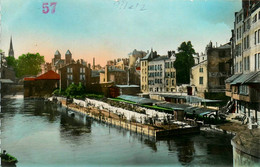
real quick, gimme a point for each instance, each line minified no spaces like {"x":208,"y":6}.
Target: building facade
{"x":113,"y":75}
{"x":199,"y":78}
{"x":41,"y":86}
{"x":158,"y":73}
{"x":144,"y":70}
{"x":209,"y":75}
{"x":243,"y":86}
{"x":74,"y":73}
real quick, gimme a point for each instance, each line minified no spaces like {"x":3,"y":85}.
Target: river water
{"x":44,"y":135}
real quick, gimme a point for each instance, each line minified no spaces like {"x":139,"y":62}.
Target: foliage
{"x":96,"y":96}
{"x":74,"y":90}
{"x":11,"y":62}
{"x":183,"y":63}
{"x":29,"y":64}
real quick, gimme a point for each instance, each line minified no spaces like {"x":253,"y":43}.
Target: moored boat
{"x":7,"y":159}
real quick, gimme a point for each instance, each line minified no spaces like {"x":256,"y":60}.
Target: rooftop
{"x":137,"y":99}
{"x":50,"y":75}
{"x":161,"y":58}
{"x":246,"y":78}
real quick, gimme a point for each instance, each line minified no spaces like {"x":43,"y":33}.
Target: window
{"x":201,"y":69}
{"x":258,"y":35}
{"x":69,"y":77}
{"x":248,"y":63}
{"x":247,"y":41}
{"x":69,"y":70}
{"x":240,"y":66}
{"x":221,"y":67}
{"x":255,"y":62}
{"x":201,"y":80}
{"x":240,"y":32}
{"x":243,"y":89}
{"x":255,"y":18}
{"x":237,"y":33}
{"x":166,"y":81}
{"x":82,"y":70}
{"x":173,"y":82}
{"x":255,"y":36}
{"x":245,"y":63}
{"x":82,"y":77}
{"x":258,"y":60}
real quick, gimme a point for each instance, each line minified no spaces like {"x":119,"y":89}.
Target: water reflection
{"x":185,"y":149}
{"x":52,"y":128}
{"x":75,"y":126}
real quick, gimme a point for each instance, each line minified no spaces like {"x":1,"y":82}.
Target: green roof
{"x":244,"y":78}
{"x":232,"y":78}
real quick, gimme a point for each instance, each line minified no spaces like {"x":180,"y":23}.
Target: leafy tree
{"x":74,"y":90}
{"x":183,"y":63}
{"x":11,"y":62}
{"x":29,"y":64}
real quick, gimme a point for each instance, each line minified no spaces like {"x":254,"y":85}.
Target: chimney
{"x":106,"y":74}
{"x":93,"y":63}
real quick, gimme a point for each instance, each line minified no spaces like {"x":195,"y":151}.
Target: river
{"x":44,"y":135}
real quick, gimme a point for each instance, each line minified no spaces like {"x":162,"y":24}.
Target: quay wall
{"x":246,"y":148}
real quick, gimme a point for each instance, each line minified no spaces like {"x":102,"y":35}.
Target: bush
{"x":75,"y":90}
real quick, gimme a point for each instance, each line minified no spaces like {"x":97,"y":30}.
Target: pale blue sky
{"x":106,"y":30}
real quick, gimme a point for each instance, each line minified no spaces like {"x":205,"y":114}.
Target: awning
{"x":174,"y":106}
{"x":254,"y":80}
{"x":174,"y":96}
{"x":232,"y":78}
{"x":137,"y":99}
{"x":244,"y":78}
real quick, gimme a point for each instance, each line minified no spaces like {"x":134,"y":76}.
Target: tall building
{"x":209,"y":75}
{"x":111,"y":74}
{"x":243,"y":86}
{"x":74,"y":73}
{"x":158,"y":73}
{"x":11,"y":50}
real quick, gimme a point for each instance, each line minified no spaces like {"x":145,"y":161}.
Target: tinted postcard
{"x":130,"y":83}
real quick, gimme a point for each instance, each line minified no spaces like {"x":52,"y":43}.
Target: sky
{"x":109,"y":29}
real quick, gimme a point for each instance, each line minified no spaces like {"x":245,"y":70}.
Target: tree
{"x":74,"y":90}
{"x":183,"y":63}
{"x":29,"y":64}
{"x":11,"y":62}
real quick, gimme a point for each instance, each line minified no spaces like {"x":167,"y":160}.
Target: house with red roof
{"x":41,"y":86}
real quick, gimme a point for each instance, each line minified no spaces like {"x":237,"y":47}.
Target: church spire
{"x":11,"y":50}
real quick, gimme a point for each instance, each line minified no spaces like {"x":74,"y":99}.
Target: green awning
{"x":244,"y":78}
{"x":232,"y":78}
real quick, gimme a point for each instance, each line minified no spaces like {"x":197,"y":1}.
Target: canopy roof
{"x":245,"y":78}
{"x":137,"y":99}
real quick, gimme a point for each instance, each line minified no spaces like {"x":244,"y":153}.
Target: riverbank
{"x":133,"y":123}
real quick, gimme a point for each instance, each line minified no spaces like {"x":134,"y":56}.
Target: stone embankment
{"x":130,"y":120}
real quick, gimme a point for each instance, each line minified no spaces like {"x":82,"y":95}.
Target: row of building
{"x":243,"y":87}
